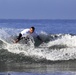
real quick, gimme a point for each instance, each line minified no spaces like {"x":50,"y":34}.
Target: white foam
{"x":67,"y":40}
{"x":54,"y":54}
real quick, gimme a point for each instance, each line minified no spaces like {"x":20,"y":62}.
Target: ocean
{"x":56,"y":56}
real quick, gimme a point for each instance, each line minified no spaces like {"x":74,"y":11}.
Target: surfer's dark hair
{"x":33,"y":28}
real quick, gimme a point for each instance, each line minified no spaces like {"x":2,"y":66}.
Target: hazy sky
{"x":37,"y":9}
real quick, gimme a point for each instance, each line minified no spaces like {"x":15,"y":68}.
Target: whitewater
{"x":55,"y":56}
{"x":56,"y":47}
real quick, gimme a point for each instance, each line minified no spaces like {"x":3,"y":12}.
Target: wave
{"x":55,"y":47}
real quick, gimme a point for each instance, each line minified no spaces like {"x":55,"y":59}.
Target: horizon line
{"x":37,"y":19}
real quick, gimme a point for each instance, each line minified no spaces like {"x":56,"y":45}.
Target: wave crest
{"x":55,"y":47}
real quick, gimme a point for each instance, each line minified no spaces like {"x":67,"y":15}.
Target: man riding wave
{"x":26,"y":32}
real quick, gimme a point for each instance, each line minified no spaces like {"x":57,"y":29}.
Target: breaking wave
{"x":56,"y":47}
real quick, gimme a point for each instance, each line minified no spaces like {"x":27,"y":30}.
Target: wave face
{"x":56,"y":47}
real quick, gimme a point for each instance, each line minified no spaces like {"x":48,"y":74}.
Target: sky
{"x":37,"y":9}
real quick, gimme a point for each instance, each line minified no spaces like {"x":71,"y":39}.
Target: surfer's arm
{"x":19,"y":38}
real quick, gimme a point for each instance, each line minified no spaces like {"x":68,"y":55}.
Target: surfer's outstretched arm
{"x":19,"y":38}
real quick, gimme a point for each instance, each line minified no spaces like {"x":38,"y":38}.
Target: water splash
{"x":55,"y":47}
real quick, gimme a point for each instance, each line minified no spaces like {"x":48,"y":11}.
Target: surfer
{"x":26,"y":32}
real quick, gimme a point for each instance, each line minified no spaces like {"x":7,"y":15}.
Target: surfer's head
{"x":32,"y":29}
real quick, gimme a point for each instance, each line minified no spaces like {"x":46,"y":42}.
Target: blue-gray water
{"x":56,"y":56}
{"x":50,"y":26}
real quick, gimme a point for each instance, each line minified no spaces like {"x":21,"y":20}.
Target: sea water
{"x":56,"y":56}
